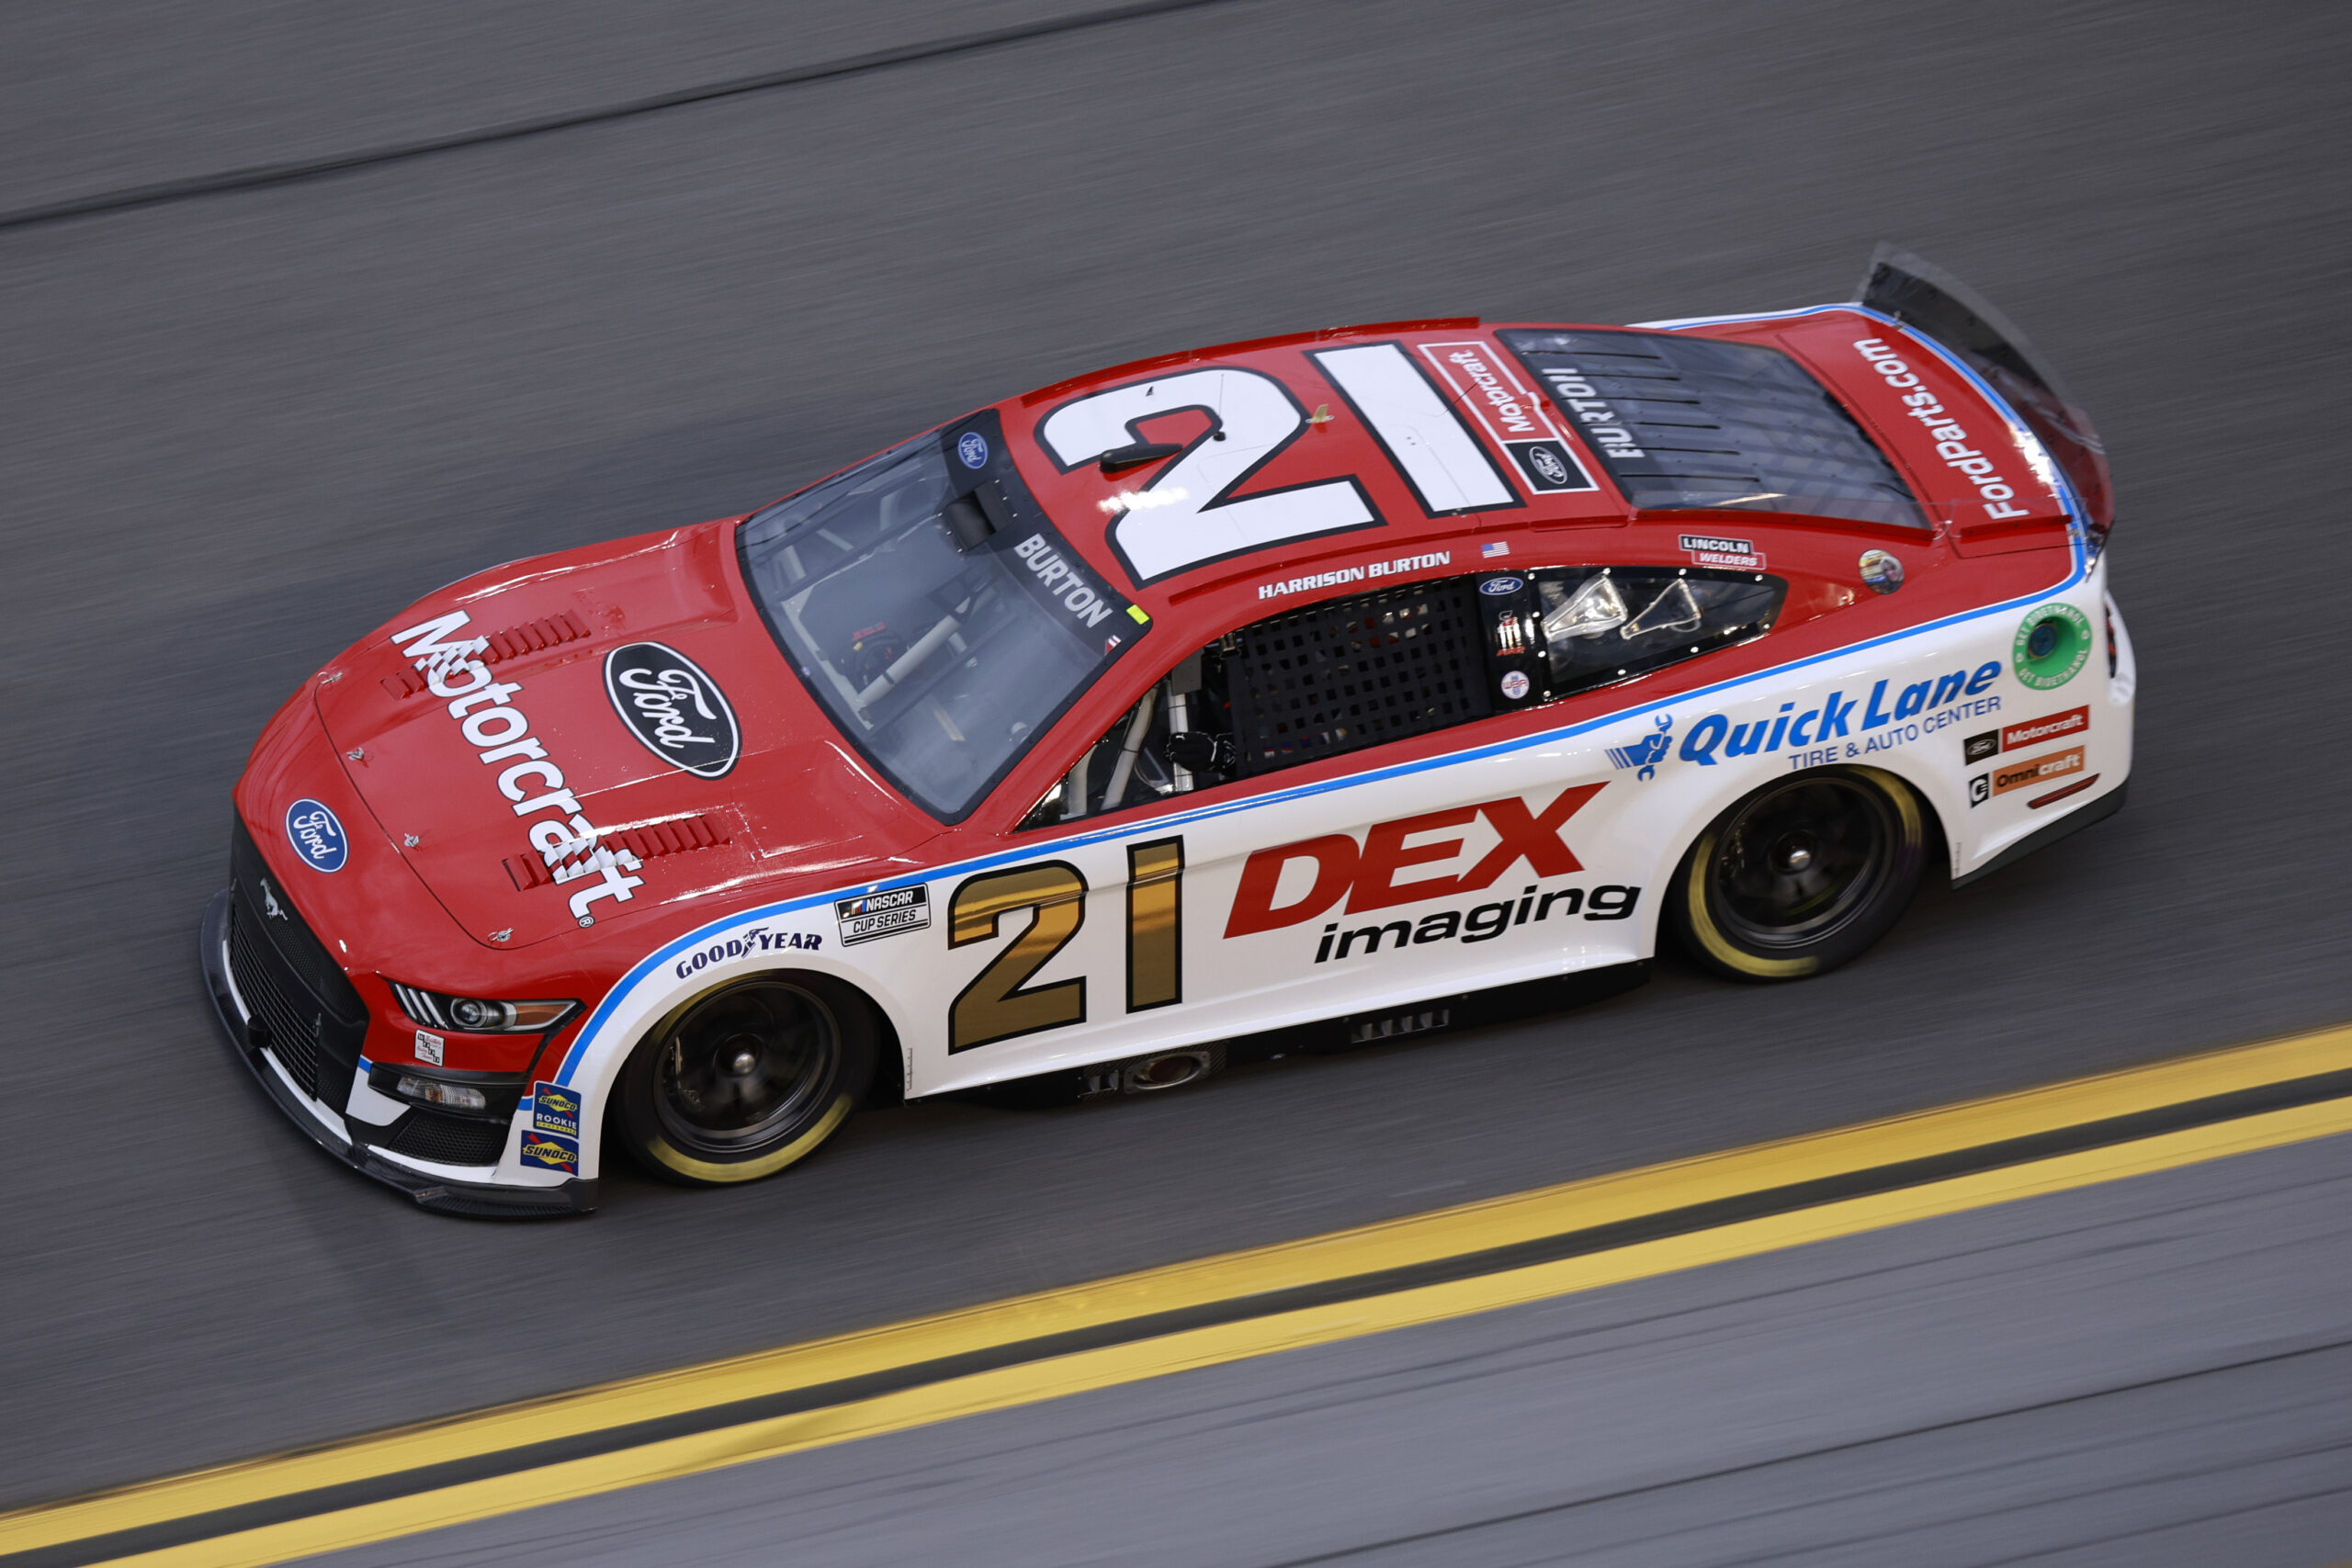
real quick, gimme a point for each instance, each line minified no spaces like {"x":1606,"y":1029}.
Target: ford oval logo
{"x":973,"y":448}
{"x":317,"y":836}
{"x":1500,"y":585}
{"x":676,"y":710}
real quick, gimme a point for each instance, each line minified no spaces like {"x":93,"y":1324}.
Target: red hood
{"x":796,"y":800}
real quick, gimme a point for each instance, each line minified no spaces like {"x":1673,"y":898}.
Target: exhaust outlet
{"x":1160,"y":1070}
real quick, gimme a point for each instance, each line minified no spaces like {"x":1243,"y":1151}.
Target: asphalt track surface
{"x":241,"y":428}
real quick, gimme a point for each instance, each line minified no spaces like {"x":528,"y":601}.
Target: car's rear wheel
{"x":747,"y":1079}
{"x":1802,"y":875}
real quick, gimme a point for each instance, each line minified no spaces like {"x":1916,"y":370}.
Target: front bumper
{"x":331,"y":1131}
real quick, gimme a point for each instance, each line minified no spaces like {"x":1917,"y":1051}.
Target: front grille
{"x":286,"y":1033}
{"x":315,"y":1022}
{"x":449,"y":1140}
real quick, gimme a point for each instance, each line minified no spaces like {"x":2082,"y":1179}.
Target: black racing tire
{"x":746,"y":1079}
{"x":1797,"y":877}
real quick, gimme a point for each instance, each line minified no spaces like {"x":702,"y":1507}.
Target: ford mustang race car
{"x":1307,"y":688}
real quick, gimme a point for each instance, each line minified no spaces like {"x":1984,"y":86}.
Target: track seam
{"x":263,"y":175}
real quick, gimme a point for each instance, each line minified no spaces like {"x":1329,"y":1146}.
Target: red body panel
{"x":800,"y":811}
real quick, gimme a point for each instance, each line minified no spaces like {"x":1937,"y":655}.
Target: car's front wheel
{"x":746,"y":1079}
{"x":1800,"y":876}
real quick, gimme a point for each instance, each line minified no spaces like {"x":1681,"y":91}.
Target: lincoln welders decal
{"x":675,"y":710}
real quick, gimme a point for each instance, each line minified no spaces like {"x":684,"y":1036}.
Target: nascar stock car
{"x":1319,"y":683}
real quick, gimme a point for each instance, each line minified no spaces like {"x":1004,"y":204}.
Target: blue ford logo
{"x":972,"y":447}
{"x":316,"y":836}
{"x":1501,"y":585}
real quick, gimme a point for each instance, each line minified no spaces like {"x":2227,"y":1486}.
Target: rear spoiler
{"x":1931,"y":300}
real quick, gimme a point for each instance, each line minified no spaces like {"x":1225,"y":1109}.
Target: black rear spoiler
{"x":1925,"y":297}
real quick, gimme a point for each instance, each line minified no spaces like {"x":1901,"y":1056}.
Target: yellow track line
{"x":1402,"y":1243}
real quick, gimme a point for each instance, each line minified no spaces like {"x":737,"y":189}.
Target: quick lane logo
{"x":874,"y":914}
{"x":488,"y":718}
{"x":1365,"y":874}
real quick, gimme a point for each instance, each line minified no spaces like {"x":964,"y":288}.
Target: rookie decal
{"x":552,"y":1150}
{"x":1510,"y":415}
{"x":486,"y":715}
{"x":555,"y":1109}
{"x":2037,"y":770}
{"x":317,"y":836}
{"x":676,"y":711}
{"x":876,"y":914}
{"x":1952,"y":441}
{"x":1713,"y":549}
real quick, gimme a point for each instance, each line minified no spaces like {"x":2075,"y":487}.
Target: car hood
{"x":630,"y":685}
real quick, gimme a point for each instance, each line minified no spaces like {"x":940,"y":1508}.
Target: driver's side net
{"x":1354,"y":672}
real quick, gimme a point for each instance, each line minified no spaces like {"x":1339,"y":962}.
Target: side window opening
{"x":1348,"y":674}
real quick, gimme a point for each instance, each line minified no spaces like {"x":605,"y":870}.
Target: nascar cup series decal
{"x":676,"y":711}
{"x":317,"y":836}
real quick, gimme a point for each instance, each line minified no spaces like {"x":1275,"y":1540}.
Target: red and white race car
{"x":1315,"y":685}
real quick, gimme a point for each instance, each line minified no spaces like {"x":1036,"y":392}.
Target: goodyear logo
{"x":555,"y":1109}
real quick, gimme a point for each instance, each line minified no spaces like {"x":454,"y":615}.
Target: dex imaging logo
{"x":317,"y":836}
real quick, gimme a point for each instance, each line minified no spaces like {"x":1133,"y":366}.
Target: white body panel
{"x":1908,"y":703}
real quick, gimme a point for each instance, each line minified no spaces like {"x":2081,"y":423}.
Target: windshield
{"x":941,"y":663}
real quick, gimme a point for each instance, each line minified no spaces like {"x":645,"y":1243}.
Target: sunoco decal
{"x":317,"y":836}
{"x":873,"y":915}
{"x":552,"y":1150}
{"x":674,"y":710}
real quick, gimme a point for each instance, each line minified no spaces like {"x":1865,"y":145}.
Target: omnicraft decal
{"x":486,"y":715}
{"x":1345,"y":574}
{"x":1952,"y":441}
{"x":1835,"y":731}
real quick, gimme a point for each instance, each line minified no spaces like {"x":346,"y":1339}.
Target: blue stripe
{"x":2077,"y":532}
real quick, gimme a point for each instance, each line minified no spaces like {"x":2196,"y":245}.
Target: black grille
{"x":451,"y":1140}
{"x":286,"y":1033}
{"x":315,"y":1021}
{"x":1683,"y":422}
{"x":1354,"y":673}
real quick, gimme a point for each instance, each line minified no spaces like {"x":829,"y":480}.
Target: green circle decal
{"x":2053,"y":643}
